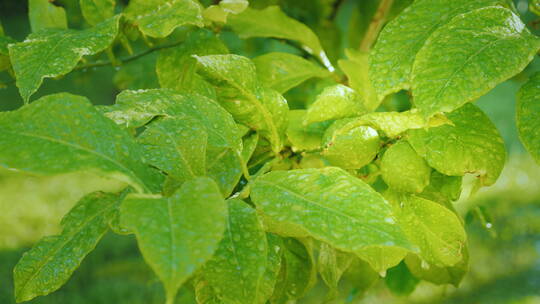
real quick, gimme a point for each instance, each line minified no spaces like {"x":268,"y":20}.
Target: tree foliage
{"x":260,"y":155}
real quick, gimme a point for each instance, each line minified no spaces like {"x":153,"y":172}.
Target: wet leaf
{"x":49,"y":264}
{"x":240,"y":92}
{"x":457,"y":65}
{"x":177,"y":235}
{"x":96,"y":11}
{"x":283,"y":71}
{"x":45,"y":15}
{"x":471,"y":145}
{"x":63,"y":133}
{"x":392,"y":58}
{"x":403,"y":170}
{"x":54,"y":52}
{"x":236,"y":270}
{"x":350,"y":146}
{"x":334,"y":207}
{"x":158,"y":18}
{"x":528,"y":112}
{"x":335,"y":102}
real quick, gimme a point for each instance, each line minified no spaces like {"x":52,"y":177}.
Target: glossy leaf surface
{"x":50,"y":263}
{"x":96,"y":11}
{"x":272,"y":22}
{"x":471,"y":145}
{"x":45,"y":15}
{"x":176,"y":68}
{"x":158,"y":18}
{"x":237,"y":268}
{"x":528,"y":113}
{"x":283,"y":71}
{"x":331,"y":206}
{"x":350,"y":146}
{"x":240,"y":92}
{"x":177,"y":235}
{"x":52,"y":52}
{"x":437,"y":231}
{"x":403,"y":170}
{"x":457,"y":65}
{"x":36,"y":139}
{"x":394,"y":54}
{"x":335,"y":102}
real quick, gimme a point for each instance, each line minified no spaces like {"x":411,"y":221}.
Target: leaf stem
{"x":128,"y":59}
{"x":376,"y":24}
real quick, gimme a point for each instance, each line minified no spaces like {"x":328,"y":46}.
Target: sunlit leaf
{"x":96,"y":11}
{"x":334,"y":207}
{"x":283,"y":71}
{"x":158,"y":18}
{"x":50,"y":263}
{"x":240,"y":92}
{"x":471,"y":145}
{"x":177,"y":235}
{"x":335,"y":102}
{"x":53,"y":52}
{"x":457,"y":65}
{"x":528,"y":114}
{"x":402,"y":169}
{"x":64,"y":133}
{"x":45,"y":15}
{"x":237,"y":268}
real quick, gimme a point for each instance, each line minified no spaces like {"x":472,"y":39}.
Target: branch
{"x":128,"y":59}
{"x":376,"y":24}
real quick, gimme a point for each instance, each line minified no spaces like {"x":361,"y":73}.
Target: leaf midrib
{"x":64,"y":243}
{"x":78,"y":147}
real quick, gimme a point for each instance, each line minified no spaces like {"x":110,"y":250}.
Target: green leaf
{"x":158,"y":18}
{"x":272,"y":22}
{"x":96,"y":11}
{"x":250,"y":144}
{"x":403,"y":170}
{"x":439,"y":275}
{"x":238,"y":266}
{"x":442,"y":188}
{"x":335,"y":102}
{"x":176,"y":146}
{"x":224,"y":161}
{"x":334,"y":207}
{"x":177,"y":235}
{"x":392,"y":124}
{"x":63,"y":133}
{"x":304,"y":137}
{"x":400,"y":280}
{"x":357,"y":70}
{"x":437,"y":231}
{"x":392,"y":58}
{"x":45,"y":15}
{"x":471,"y":145}
{"x":176,"y":68}
{"x":273,"y":267}
{"x":528,"y":111}
{"x":50,"y":263}
{"x":283,"y":71}
{"x":457,"y":65}
{"x":219,"y":13}
{"x":350,"y":146}
{"x":243,"y":96}
{"x":297,"y":274}
{"x":51,"y":52}
{"x":4,"y":52}
{"x":332,"y":264}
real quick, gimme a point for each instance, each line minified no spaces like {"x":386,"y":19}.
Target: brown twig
{"x":376,"y":24}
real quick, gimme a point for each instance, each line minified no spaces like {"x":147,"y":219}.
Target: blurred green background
{"x":505,"y":247}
